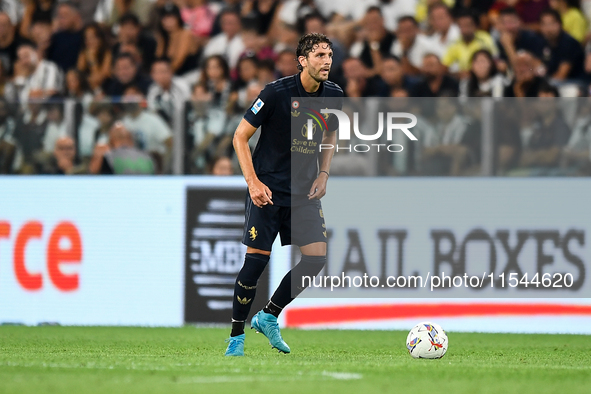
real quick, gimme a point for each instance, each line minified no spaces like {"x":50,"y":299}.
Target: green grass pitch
{"x":190,"y":360}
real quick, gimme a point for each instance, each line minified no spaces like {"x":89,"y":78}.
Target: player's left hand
{"x":318,"y":189}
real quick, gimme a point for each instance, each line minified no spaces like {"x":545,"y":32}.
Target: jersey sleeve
{"x":262,"y":107}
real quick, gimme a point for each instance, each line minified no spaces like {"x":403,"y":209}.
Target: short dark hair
{"x":509,"y":11}
{"x":466,"y":13}
{"x":553,"y":13}
{"x":27,"y":43}
{"x":546,"y":87}
{"x":129,"y":17}
{"x":307,"y":43}
{"x":408,"y":18}
{"x":227,"y":11}
{"x":439,"y":4}
{"x":374,"y":8}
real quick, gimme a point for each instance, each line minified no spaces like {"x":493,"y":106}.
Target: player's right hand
{"x":259,"y":193}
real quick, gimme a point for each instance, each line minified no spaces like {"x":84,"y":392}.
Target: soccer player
{"x":276,"y":194}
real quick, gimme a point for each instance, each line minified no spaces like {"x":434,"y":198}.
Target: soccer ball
{"x":427,"y":340}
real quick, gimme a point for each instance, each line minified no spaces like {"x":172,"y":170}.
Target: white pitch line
{"x":342,"y":375}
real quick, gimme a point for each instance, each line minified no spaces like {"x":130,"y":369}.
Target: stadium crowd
{"x":103,"y":86}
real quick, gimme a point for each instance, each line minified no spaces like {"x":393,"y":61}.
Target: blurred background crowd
{"x":159,"y":86}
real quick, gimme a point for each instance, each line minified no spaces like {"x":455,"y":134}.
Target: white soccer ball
{"x":427,"y":340}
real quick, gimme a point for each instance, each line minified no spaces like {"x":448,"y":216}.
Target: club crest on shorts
{"x":253,"y":233}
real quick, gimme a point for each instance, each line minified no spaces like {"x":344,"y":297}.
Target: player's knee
{"x":312,"y":265}
{"x":251,"y":271}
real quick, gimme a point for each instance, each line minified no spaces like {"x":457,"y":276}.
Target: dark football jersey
{"x":285,"y":159}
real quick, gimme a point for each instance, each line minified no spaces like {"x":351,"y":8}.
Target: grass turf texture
{"x":190,"y":360}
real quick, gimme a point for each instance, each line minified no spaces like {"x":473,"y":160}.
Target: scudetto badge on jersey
{"x":257,"y":106}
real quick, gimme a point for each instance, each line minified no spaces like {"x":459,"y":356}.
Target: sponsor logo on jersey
{"x":257,"y":106}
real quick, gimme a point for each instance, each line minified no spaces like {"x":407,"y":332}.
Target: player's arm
{"x":259,"y":192}
{"x":318,"y":189}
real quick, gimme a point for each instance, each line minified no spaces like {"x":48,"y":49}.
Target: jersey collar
{"x":302,"y":92}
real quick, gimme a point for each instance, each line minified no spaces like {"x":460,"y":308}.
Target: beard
{"x":316,"y":75}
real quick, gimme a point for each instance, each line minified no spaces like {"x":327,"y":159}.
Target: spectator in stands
{"x":445,"y":31}
{"x":94,"y":127}
{"x":34,"y":74}
{"x":9,"y":42}
{"x":141,"y":8}
{"x":287,"y":37}
{"x":393,"y":10}
{"x":130,"y":32}
{"x":121,"y":157}
{"x":576,"y":155}
{"x":411,"y":46}
{"x":62,"y":160}
{"x":248,"y":67}
{"x":228,"y":43}
{"x":247,"y":74}
{"x":286,"y":63}
{"x":67,"y":41}
{"x":106,"y":118}
{"x":126,"y":73}
{"x":255,"y":44}
{"x":261,"y":13}
{"x":88,"y":9}
{"x":56,"y":124}
{"x":563,"y":55}
{"x":377,"y":41}
{"x":151,"y":133}
{"x":175,"y":42}
{"x":514,"y":38}
{"x":7,"y":143}
{"x":198,"y":16}
{"x":357,"y":83}
{"x":393,"y":75}
{"x":545,"y":137}
{"x":507,"y":123}
{"x":458,"y":56}
{"x":77,"y":87}
{"x":478,"y":8}
{"x":95,"y":56}
{"x":528,"y":10}
{"x":457,"y":142}
{"x":484,"y":80}
{"x":225,"y":5}
{"x":167,"y":93}
{"x":41,"y":32}
{"x":215,"y":86}
{"x":29,"y":130}
{"x":316,"y":23}
{"x":525,"y":83}
{"x":266,"y":71}
{"x":37,"y":11}
{"x":221,"y":166}
{"x":6,"y":87}
{"x":572,"y":18}
{"x":436,"y":82}
{"x":423,"y":7}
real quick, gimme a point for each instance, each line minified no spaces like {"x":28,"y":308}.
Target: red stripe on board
{"x":357,"y":313}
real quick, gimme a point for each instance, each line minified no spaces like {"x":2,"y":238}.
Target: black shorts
{"x":298,"y":225}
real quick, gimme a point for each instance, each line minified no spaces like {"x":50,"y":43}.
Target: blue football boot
{"x":266,"y":324}
{"x":235,"y":346}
